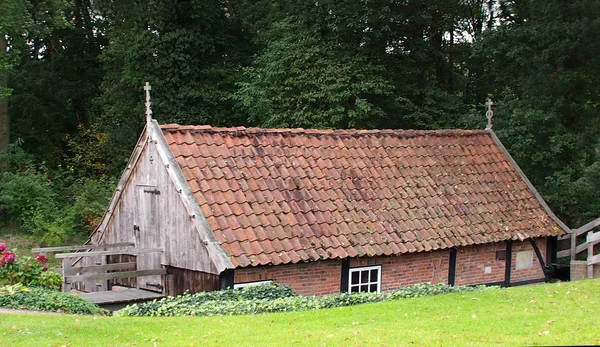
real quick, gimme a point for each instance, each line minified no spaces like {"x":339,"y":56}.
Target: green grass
{"x":550,"y":314}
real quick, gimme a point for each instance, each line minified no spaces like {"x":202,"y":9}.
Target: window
{"x":250,"y":284}
{"x":365,"y":279}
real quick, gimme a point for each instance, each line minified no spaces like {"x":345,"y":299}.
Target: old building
{"x":328,"y":210}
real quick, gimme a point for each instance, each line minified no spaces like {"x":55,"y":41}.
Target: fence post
{"x":590,"y":254}
{"x":66,"y":265}
{"x":573,"y":245}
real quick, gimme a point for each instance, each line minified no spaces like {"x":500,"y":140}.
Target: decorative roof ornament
{"x":489,"y":114}
{"x":148,"y":88}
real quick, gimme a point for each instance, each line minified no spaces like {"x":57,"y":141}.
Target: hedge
{"x":272,"y":298}
{"x":41,"y":299}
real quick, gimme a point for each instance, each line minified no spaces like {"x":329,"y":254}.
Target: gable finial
{"x":148,"y":88}
{"x":489,"y":114}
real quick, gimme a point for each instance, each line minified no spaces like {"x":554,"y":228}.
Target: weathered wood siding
{"x":150,"y":213}
{"x":181,"y":279}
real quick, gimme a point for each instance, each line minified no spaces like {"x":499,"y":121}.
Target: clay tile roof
{"x":279,"y":196}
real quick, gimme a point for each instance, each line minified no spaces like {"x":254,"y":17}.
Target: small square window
{"x":501,"y":255}
{"x":365,"y":279}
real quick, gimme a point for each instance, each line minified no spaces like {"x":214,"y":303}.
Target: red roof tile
{"x":278,"y":196}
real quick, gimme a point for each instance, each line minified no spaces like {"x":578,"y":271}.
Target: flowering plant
{"x":26,"y":270}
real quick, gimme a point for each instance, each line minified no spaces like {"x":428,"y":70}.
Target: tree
{"x":13,"y":20}
{"x":188,"y":50}
{"x":541,"y":63}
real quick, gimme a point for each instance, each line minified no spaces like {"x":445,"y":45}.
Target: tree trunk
{"x":4,"y":117}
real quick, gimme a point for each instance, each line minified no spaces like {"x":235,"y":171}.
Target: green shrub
{"x":272,"y":298}
{"x":26,"y":270}
{"x":40,"y":299}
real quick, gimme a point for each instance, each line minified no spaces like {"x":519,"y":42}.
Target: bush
{"x":272,"y":298}
{"x":40,"y":299}
{"x":27,"y":271}
{"x":56,"y":205}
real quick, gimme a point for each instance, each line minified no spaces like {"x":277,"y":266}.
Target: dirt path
{"x":11,"y":311}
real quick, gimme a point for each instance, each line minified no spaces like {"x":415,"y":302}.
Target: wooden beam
{"x":81,"y":247}
{"x":587,"y":227}
{"x":132,"y":251}
{"x":452,"y":266}
{"x":115,"y":275}
{"x":99,"y":268}
{"x":564,"y":254}
{"x":508,"y":263}
{"x":593,"y":260}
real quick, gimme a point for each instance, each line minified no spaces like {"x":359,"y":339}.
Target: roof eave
{"x":218,"y":256}
{"x":528,"y":183}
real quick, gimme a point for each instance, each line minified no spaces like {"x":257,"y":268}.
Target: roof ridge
{"x":241,"y":130}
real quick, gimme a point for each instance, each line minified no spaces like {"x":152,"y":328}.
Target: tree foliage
{"x":75,"y":70}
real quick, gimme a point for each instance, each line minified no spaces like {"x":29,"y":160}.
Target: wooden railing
{"x":101,"y":272}
{"x":576,"y":247}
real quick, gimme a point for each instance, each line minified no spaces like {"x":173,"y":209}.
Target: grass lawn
{"x":548,"y":314}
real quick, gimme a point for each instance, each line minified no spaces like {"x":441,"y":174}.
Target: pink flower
{"x":2,"y":246}
{"x":42,"y":259}
{"x":8,"y":257}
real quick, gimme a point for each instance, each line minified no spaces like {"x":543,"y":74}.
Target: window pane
{"x":354,"y":290}
{"x":355,"y":275}
{"x":373,"y":288}
{"x":374,"y":275}
{"x":364,"y":288}
{"x":364,"y":276}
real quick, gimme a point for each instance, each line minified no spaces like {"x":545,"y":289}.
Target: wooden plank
{"x":100,"y":268}
{"x":122,"y":295}
{"x":565,"y":237}
{"x":132,"y":251}
{"x":115,"y":275}
{"x":563,"y":254}
{"x":593,"y":260}
{"x":593,"y":237}
{"x":587,"y":227}
{"x":81,"y":247}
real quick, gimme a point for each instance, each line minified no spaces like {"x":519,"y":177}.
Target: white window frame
{"x":250,"y":284}
{"x":369,"y":283}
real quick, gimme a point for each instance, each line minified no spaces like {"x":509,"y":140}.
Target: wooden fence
{"x":103,"y":272}
{"x":580,"y":245}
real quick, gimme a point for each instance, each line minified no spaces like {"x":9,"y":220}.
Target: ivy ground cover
{"x":548,"y":314}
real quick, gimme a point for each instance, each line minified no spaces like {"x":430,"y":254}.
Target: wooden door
{"x":147,"y":236}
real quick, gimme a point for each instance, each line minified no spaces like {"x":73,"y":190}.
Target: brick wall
{"x":409,"y":269}
{"x":471,"y":264}
{"x":318,"y":278}
{"x":474,"y":265}
{"x":527,"y":271}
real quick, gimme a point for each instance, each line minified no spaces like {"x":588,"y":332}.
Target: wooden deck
{"x":121,"y":296}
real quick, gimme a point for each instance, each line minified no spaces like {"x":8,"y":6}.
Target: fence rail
{"x":591,"y":239}
{"x":99,"y":272}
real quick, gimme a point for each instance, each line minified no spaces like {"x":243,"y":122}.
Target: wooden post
{"x":590,"y":254}
{"x":104,"y":284}
{"x":67,"y":275}
{"x":573,"y":245}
